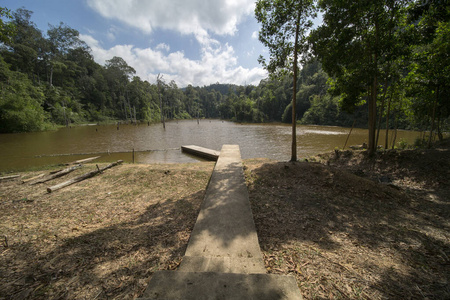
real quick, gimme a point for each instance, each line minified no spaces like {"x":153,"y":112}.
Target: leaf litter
{"x":345,"y":234}
{"x":101,"y":238}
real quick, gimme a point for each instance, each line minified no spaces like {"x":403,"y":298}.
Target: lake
{"x":153,"y":144}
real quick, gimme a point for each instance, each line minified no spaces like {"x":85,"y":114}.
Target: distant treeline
{"x":52,"y":79}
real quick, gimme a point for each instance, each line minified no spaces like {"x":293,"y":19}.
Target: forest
{"x":51,"y":79}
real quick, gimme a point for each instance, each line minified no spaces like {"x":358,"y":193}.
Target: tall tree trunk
{"x":160,"y":102}
{"x":433,"y":118}
{"x":395,"y":130}
{"x":125,"y":110}
{"x":51,"y":76}
{"x":294,"y":93}
{"x":386,"y":144}
{"x":373,"y":99}
{"x":439,"y":131}
{"x":381,"y":111}
{"x":372,"y":117}
{"x":131,"y":112}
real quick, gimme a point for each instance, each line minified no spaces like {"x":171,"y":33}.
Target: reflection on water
{"x":326,"y":132}
{"x":153,"y":144}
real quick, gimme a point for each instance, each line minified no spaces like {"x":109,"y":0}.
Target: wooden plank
{"x":201,"y":152}
{"x":56,"y":175}
{"x":82,"y":177}
{"x":9,"y":177}
{"x":33,"y":178}
{"x":82,"y":161}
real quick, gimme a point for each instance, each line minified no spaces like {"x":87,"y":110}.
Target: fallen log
{"x":81,"y":161}
{"x":33,"y":178}
{"x":58,"y":174}
{"x":9,"y":177}
{"x":82,"y":177}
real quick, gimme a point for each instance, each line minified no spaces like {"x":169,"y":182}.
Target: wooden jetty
{"x":201,"y":152}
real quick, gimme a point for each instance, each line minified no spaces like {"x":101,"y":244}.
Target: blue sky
{"x":194,"y":42}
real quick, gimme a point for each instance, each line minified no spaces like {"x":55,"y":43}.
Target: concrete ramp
{"x":226,"y":286}
{"x":225,"y":232}
{"x":201,"y":152}
{"x":223,"y":259}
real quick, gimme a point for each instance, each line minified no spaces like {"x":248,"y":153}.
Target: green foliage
{"x":7,"y":29}
{"x":324,"y":110}
{"x":54,"y":79}
{"x":279,"y":21}
{"x":402,"y":144}
{"x":20,"y":103}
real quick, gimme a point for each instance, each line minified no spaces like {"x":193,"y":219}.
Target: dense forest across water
{"x":52,"y":79}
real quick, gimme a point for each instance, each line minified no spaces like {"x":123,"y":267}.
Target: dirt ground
{"x":101,"y":238}
{"x":349,"y":227}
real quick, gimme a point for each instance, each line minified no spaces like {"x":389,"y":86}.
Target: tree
{"x":23,"y":51}
{"x":118,"y":75}
{"x":284,"y":27}
{"x":20,"y":103}
{"x":61,"y":39}
{"x":430,"y":64}
{"x":7,"y":30}
{"x":352,"y":44}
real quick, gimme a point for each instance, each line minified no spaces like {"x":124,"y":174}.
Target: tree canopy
{"x":373,"y":63}
{"x":284,"y":25}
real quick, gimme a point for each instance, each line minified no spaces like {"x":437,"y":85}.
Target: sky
{"x":197,"y":42}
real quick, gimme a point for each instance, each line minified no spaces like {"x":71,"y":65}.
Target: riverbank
{"x":101,"y":238}
{"x":352,"y":228}
{"x":344,"y":226}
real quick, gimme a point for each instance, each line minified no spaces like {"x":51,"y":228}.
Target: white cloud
{"x":198,"y":17}
{"x":163,"y":46}
{"x":111,"y":36}
{"x":217,"y":63}
{"x":255,"y":35}
{"x":202,"y":19}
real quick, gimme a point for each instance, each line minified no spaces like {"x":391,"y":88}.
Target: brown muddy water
{"x":153,"y":144}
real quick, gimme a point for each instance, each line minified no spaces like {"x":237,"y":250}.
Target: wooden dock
{"x":201,"y":152}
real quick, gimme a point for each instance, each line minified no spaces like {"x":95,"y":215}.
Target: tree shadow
{"x":337,"y":212}
{"x":225,"y":225}
{"x":113,"y":262}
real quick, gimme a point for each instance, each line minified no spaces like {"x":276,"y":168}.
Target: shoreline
{"x":334,"y":224}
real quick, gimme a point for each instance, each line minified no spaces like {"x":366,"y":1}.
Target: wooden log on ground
{"x":82,"y":177}
{"x":81,"y":161}
{"x":55,"y":171}
{"x":56,"y":175}
{"x":33,"y":178}
{"x":9,"y":177}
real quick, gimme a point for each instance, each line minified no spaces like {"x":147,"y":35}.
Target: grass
{"x":345,"y":235}
{"x":347,"y":227}
{"x":101,"y":238}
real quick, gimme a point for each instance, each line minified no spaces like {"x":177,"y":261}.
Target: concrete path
{"x":201,"y":152}
{"x":223,"y":259}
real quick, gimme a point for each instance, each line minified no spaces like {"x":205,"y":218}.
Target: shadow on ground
{"x":351,"y":236}
{"x":113,"y":262}
{"x":224,"y":225}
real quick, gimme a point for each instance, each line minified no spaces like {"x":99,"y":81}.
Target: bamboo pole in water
{"x":348,"y":136}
